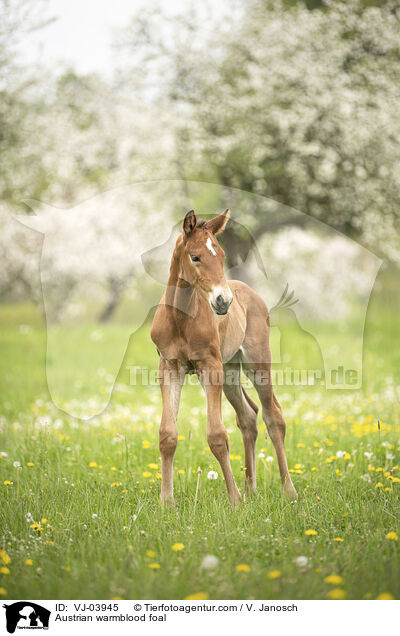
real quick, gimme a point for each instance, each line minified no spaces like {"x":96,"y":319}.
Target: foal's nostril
{"x":220,"y":300}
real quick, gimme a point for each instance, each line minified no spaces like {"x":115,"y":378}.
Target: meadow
{"x":80,"y":512}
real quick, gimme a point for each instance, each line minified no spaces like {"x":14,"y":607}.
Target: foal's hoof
{"x":167,"y":501}
{"x":290,"y":492}
{"x":236,"y":499}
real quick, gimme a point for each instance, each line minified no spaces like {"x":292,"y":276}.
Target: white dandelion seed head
{"x":340,"y":454}
{"x":3,"y":454}
{"x":209,"y":562}
{"x":17,"y":464}
{"x":261,"y":455}
{"x":94,"y":516}
{"x":269,"y":459}
{"x":212,"y":474}
{"x":368,"y":455}
{"x":301,"y":561}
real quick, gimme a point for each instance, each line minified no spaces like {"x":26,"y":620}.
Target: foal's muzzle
{"x":221,"y":305}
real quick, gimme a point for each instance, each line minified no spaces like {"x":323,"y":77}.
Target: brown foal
{"x":207,"y":325}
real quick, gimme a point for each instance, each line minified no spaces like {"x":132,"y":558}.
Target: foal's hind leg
{"x":257,"y":366}
{"x":246,"y":418}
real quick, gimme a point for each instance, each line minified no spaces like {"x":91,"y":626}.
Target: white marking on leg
{"x":210,"y":247}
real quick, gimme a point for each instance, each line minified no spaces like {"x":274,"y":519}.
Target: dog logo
{"x":26,"y":615}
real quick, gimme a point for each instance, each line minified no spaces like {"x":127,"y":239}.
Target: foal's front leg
{"x":217,"y":436}
{"x":171,"y":379}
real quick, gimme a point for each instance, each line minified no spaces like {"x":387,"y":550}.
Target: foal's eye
{"x":195,"y":259}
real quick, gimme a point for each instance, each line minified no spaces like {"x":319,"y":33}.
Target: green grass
{"x":103,"y":515}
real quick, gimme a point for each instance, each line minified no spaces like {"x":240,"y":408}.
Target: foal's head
{"x":201,"y":259}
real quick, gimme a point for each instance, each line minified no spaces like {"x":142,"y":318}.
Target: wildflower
{"x":392,"y":536}
{"x":212,"y":474}
{"x":385,"y":596}
{"x":338,"y":539}
{"x":333,"y":579}
{"x":153,"y":466}
{"x":301,"y":561}
{"x":43,"y":520}
{"x":337,"y":594}
{"x":146,"y":474}
{"x":261,"y":455}
{"x":145,"y":443}
{"x":3,"y":591}
{"x":113,"y":468}
{"x":150,"y":553}
{"x":92,"y":464}
{"x":340,"y":454}
{"x":301,"y":445}
{"x":7,"y":482}
{"x":181,"y":472}
{"x":4,"y":569}
{"x":154,"y":566}
{"x":243,"y":567}
{"x":314,"y":469}
{"x":3,"y":454}
{"x":177,"y":547}
{"x":209,"y":562}
{"x":181,"y":438}
{"x":347,"y":456}
{"x":30,"y":464}
{"x":379,"y":485}
{"x":368,"y":455}
{"x":274,"y":574}
{"x":158,"y":475}
{"x":94,"y":516}
{"x":311,"y":532}
{"x":28,"y":562}
{"x":198,"y":596}
{"x":4,"y":557}
{"x":269,"y":459}
{"x":16,"y":464}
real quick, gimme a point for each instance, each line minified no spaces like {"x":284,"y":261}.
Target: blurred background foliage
{"x":293,"y":100}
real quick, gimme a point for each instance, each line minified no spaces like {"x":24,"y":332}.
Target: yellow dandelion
{"x":392,"y":536}
{"x":146,"y":474}
{"x":30,"y":464}
{"x":338,"y":539}
{"x":385,"y":596}
{"x":113,"y":468}
{"x":314,"y":469}
{"x":311,"y":532}
{"x":274,"y":574}
{"x":92,"y":464}
{"x":347,"y":456}
{"x":150,"y":553}
{"x":4,"y":569}
{"x":3,"y":591}
{"x":154,"y":566}
{"x":379,"y":485}
{"x":395,"y":480}
{"x":333,"y":579}
{"x":181,"y":472}
{"x":43,"y":520}
{"x":4,"y":557}
{"x":301,"y":445}
{"x":198,"y":596}
{"x":388,"y":490}
{"x":337,"y":594}
{"x":28,"y":562}
{"x":158,"y":476}
{"x":7,"y":482}
{"x":145,"y":443}
{"x":243,"y":567}
{"x":177,"y":547}
{"x":153,"y":466}
{"x":181,"y":438}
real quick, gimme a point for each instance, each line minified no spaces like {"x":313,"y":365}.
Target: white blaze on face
{"x":210,"y":247}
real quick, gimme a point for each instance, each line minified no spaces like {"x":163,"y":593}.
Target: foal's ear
{"x":189,"y":222}
{"x":218,"y":223}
